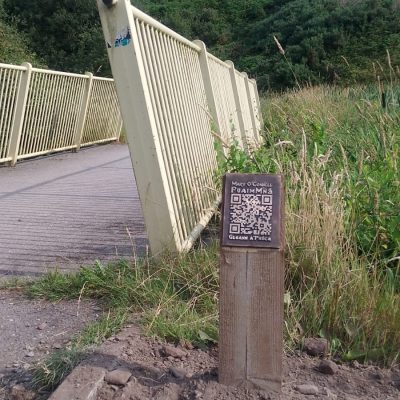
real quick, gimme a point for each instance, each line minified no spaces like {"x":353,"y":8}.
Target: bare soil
{"x":157,"y":375}
{"x":31,"y":329}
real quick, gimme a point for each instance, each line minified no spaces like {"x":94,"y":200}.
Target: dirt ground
{"x":157,"y":371}
{"x":141,"y":368}
{"x":31,"y":329}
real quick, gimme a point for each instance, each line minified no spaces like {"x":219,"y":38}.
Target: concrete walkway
{"x":69,"y":209}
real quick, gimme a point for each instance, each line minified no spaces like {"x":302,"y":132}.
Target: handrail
{"x":44,"y":111}
{"x":162,"y":28}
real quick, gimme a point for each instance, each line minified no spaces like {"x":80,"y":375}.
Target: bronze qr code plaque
{"x":252,"y":206}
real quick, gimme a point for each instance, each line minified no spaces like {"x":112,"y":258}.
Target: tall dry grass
{"x":338,"y":151}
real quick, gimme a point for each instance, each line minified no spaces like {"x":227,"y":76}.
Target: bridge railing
{"x":44,"y":111}
{"x":176,"y":100}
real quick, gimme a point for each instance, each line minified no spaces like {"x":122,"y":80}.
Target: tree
{"x":65,"y":34}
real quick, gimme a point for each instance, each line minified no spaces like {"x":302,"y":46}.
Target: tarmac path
{"x":69,"y":209}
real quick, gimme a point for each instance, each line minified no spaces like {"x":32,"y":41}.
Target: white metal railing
{"x":175,"y":99}
{"x":103,"y":120}
{"x":43,"y":111}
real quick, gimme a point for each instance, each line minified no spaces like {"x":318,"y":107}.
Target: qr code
{"x":250,"y":214}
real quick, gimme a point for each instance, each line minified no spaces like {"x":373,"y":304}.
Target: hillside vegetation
{"x":14,"y":46}
{"x":333,"y":41}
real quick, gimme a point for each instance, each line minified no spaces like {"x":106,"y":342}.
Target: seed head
{"x":280,"y":48}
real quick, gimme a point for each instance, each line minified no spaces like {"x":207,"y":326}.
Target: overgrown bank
{"x":338,"y":150}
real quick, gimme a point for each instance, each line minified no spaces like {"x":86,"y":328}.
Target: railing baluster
{"x":19,"y":113}
{"x":83,"y":111}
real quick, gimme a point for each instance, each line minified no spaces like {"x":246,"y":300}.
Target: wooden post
{"x":252,"y":282}
{"x":19,"y":115}
{"x":83,"y":111}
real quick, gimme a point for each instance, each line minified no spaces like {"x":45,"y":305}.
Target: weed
{"x":14,"y":283}
{"x":174,"y":292}
{"x":48,"y":374}
{"x":338,"y":153}
{"x":51,"y":372}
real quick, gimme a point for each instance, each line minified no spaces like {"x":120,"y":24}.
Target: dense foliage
{"x":14,"y":46}
{"x":338,"y":151}
{"x":324,"y":40}
{"x":66,"y":35}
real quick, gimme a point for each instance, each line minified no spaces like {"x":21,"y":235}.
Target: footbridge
{"x":69,"y":209}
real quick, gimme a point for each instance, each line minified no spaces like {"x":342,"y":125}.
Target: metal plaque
{"x":252,"y":207}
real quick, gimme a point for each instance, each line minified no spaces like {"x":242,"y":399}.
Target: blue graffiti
{"x":123,"y":38}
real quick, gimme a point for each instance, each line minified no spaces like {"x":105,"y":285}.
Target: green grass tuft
{"x":48,"y":375}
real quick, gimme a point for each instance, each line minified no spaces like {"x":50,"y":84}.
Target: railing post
{"x":19,"y":114}
{"x":140,"y":125}
{"x":121,"y":126}
{"x":83,"y":111}
{"x":258,"y":102}
{"x":251,"y":108}
{"x":205,"y":72}
{"x":237,"y":104}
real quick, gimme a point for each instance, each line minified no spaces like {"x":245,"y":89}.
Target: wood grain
{"x":251,"y":317}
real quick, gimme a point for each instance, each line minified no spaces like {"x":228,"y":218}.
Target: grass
{"x":338,"y":150}
{"x":177,"y":296}
{"x":177,"y":292}
{"x":14,"y":283}
{"x":48,"y":374}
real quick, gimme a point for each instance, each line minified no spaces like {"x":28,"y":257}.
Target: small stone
{"x":152,"y":372}
{"x":118,"y":377}
{"x":327,"y":367}
{"x":316,"y":346}
{"x":30,"y":354}
{"x":57,"y":346}
{"x":177,"y":373}
{"x":396,"y":383}
{"x":174,"y":352}
{"x":42,"y":326}
{"x":329,"y":395}
{"x":18,"y":392}
{"x":186,"y":344}
{"x":356,"y":364}
{"x":307,"y":389}
{"x":169,"y":392}
{"x":377,"y":375}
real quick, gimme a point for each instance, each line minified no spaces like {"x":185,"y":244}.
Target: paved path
{"x":69,"y":209}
